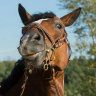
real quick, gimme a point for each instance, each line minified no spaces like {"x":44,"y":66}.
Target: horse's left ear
{"x":24,"y":15}
{"x":70,"y":18}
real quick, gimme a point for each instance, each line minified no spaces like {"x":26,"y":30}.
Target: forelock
{"x":45,"y":15}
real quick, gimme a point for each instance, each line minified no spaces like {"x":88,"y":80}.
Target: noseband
{"x":47,"y":62}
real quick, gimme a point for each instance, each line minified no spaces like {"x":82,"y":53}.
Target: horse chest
{"x":41,"y":87}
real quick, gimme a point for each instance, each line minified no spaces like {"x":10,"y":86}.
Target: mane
{"x":13,"y":78}
{"x":45,"y":15}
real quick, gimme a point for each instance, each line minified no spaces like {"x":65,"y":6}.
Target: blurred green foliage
{"x":81,"y":74}
{"x":5,"y":68}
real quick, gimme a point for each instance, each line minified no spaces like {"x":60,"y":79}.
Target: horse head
{"x":44,"y":37}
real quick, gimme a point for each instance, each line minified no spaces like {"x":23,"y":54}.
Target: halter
{"x":47,"y":62}
{"x":54,"y":45}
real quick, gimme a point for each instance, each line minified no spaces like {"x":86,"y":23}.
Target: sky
{"x":10,"y":23}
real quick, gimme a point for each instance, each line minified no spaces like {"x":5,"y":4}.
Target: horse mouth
{"x":32,"y":55}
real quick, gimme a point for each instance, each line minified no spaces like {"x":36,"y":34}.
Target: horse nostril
{"x":36,"y":36}
{"x":25,"y":48}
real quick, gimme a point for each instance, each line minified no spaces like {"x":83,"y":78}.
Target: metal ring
{"x":46,"y":67}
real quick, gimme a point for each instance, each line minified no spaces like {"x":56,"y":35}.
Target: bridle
{"x":47,"y":62}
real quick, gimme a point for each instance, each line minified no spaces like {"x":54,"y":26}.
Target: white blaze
{"x":40,"y":21}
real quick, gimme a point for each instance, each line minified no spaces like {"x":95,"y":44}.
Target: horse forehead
{"x":40,"y":20}
{"x":55,"y":19}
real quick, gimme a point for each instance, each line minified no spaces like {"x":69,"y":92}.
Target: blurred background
{"x":80,"y":74}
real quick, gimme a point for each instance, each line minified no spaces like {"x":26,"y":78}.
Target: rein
{"x":47,"y":62}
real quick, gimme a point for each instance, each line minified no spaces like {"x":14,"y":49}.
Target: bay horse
{"x":45,"y":52}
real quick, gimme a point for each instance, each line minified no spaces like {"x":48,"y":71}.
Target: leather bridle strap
{"x":42,"y":30}
{"x":54,"y":44}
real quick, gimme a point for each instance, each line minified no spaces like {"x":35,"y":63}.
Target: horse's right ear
{"x":24,"y":15}
{"x":70,"y":18}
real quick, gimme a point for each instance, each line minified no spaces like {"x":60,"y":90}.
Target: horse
{"x":45,"y":52}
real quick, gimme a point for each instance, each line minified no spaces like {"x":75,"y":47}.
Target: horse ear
{"x":24,"y":15}
{"x":70,"y":18}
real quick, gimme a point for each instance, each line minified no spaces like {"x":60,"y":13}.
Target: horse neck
{"x":39,"y":86}
{"x":58,"y":85}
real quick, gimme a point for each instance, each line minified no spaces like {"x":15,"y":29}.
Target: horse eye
{"x":59,"y":26}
